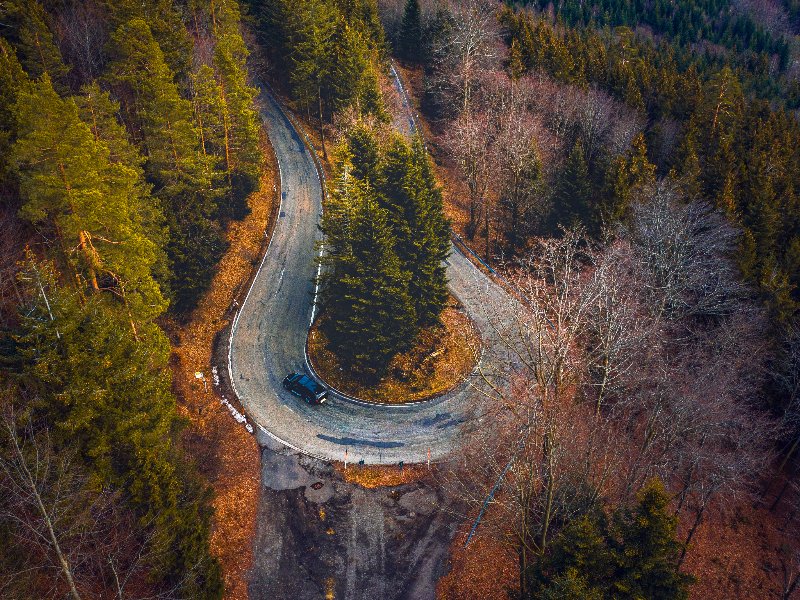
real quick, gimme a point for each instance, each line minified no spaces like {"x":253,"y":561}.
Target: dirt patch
{"x":226,"y":453}
{"x":373,"y":476}
{"x":739,"y":549}
{"x":443,"y":356}
{"x":349,"y":542}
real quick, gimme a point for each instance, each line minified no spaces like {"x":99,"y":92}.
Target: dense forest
{"x":128,"y":139}
{"x":629,"y":169}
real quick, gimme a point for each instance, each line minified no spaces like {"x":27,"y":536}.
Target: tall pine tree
{"x":72,"y":189}
{"x":572,"y":193}
{"x":414,"y":201}
{"x":107,"y":394}
{"x":369,"y":314}
{"x":12,"y":78}
{"x":182,"y":176}
{"x":26,"y":24}
{"x":410,"y":42}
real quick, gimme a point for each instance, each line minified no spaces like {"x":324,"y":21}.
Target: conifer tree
{"x":363,"y":15}
{"x":690,"y":170}
{"x":72,"y":189}
{"x":370,"y":316}
{"x":164,"y":20}
{"x":414,"y":201}
{"x":410,"y":41}
{"x":108,"y":394}
{"x":100,"y":112}
{"x":26,"y":22}
{"x":329,"y":51}
{"x":349,"y":61}
{"x":12,"y":77}
{"x":240,"y":120}
{"x":181,"y":174}
{"x":432,"y":233}
{"x":209,"y":112}
{"x":626,"y":174}
{"x":647,"y":553}
{"x":516,"y":66}
{"x":632,"y":555}
{"x":364,"y":154}
{"x":573,"y":192}
{"x":579,"y":557}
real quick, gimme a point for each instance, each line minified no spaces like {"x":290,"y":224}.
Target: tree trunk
{"x":30,"y":482}
{"x":550,"y":493}
{"x":321,"y":124}
{"x":697,"y":519}
{"x":486,"y":230}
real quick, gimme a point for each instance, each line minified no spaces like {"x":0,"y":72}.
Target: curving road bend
{"x":268,"y":337}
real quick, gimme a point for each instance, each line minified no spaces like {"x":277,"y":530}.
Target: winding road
{"x":268,"y":336}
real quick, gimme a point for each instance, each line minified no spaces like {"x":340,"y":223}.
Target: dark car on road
{"x":305,"y":387}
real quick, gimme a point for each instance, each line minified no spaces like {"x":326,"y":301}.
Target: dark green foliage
{"x":410,"y":45}
{"x":164,"y":20}
{"x":27,"y":26}
{"x":684,"y":22}
{"x":98,"y":110}
{"x":408,"y":190}
{"x":126,"y":196}
{"x":364,"y":291}
{"x":242,"y":155}
{"x":738,"y":153}
{"x":633,"y":555}
{"x":89,"y":204}
{"x":328,"y":52}
{"x":572,"y":194}
{"x":364,"y":154}
{"x":626,"y":175}
{"x":12,"y":77}
{"x":395,"y":187}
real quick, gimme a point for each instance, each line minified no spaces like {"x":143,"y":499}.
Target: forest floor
{"x":224,"y":450}
{"x":442,"y":357}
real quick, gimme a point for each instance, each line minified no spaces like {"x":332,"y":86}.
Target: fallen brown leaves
{"x":736,"y":552}
{"x":373,"y":476}
{"x":224,"y":451}
{"x":442,"y":357}
{"x":484,"y":570}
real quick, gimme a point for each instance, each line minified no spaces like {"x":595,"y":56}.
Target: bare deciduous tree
{"x":687,"y":251}
{"x":70,"y":536}
{"x":605,"y":388}
{"x":469,"y":140}
{"x":81,"y":30}
{"x":469,"y":45}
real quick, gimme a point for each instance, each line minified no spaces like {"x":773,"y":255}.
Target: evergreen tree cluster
{"x":329,"y":53}
{"x":193,"y":123}
{"x":127,"y":161}
{"x":386,"y":238}
{"x":685,"y":23}
{"x":409,"y":44}
{"x":631,"y":554}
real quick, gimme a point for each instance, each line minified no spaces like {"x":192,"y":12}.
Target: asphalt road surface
{"x":269,"y":333}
